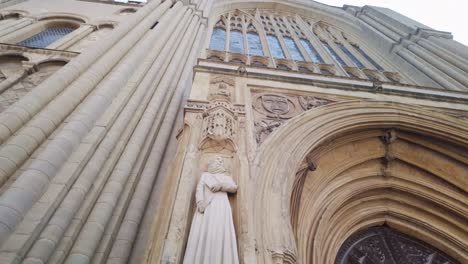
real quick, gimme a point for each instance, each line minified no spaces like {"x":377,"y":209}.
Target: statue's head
{"x":216,"y":165}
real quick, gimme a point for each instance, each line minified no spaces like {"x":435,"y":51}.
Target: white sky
{"x":445,"y":15}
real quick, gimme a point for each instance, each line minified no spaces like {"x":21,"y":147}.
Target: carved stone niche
{"x":221,"y":88}
{"x":218,"y":124}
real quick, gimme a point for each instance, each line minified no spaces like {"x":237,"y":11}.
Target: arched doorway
{"x":383,"y":244}
{"x":350,"y":166}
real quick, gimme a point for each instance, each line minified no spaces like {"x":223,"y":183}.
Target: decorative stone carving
{"x":218,"y":124}
{"x":221,"y":88}
{"x":273,"y":110}
{"x":212,"y":236}
{"x":309,"y":102}
{"x":387,"y":246}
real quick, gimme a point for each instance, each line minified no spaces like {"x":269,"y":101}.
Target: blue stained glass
{"x":255,"y":46}
{"x":293,"y":49}
{"x":218,"y":39}
{"x":275,"y":47}
{"x":312,"y":51}
{"x":368,"y":58}
{"x":236,"y":42}
{"x":333,"y":54}
{"x":351,"y":56}
{"x":46,"y":37}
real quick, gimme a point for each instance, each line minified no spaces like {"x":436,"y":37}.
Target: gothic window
{"x":255,"y":46}
{"x":218,"y":39}
{"x":275,"y":47}
{"x":312,"y":51}
{"x":236,"y":42}
{"x":333,"y":53}
{"x":351,"y":56}
{"x":386,"y":245}
{"x":368,"y":58}
{"x":293,"y":49}
{"x":46,"y":37}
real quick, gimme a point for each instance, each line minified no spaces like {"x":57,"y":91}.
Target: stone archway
{"x":339,"y":207}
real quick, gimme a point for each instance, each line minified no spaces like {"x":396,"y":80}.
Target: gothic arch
{"x":371,"y":192}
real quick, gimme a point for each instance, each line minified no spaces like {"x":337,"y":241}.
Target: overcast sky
{"x":445,"y":15}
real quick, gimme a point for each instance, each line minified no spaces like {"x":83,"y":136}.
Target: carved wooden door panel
{"x":383,"y":245}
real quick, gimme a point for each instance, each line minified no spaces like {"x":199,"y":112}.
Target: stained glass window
{"x":312,"y":51}
{"x":293,"y":49}
{"x":218,"y":39}
{"x":236,"y":42}
{"x":351,"y":56}
{"x":275,"y":47}
{"x":333,"y":53}
{"x":255,"y":46}
{"x":46,"y":37}
{"x":368,"y":58}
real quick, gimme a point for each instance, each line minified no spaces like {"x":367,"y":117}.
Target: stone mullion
{"x":283,"y":45}
{"x":244,"y":36}
{"x":438,"y":63}
{"x":7,"y":30}
{"x":316,"y":43}
{"x":44,"y":167}
{"x":429,"y":70}
{"x":263,"y":40}
{"x":73,"y":37}
{"x":228,"y":34}
{"x":102,"y":212}
{"x":358,"y":55}
{"x":297,"y":40}
{"x":85,"y":71}
{"x":443,"y":53}
{"x":340,"y":53}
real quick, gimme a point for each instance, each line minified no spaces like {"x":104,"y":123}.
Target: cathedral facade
{"x":345,"y":130}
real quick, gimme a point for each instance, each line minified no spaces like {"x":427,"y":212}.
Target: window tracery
{"x":266,"y":38}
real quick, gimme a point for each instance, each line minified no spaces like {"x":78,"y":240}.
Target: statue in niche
{"x":212,"y":238}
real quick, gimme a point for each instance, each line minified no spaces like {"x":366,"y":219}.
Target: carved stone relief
{"x":272,"y":110}
{"x":221,"y":88}
{"x":383,"y":245}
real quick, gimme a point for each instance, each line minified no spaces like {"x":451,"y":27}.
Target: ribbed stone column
{"x":100,"y":216}
{"x":33,"y":182}
{"x":62,"y":218}
{"x":431,"y":73}
{"x":438,"y":63}
{"x":86,"y":71}
{"x":382,"y":29}
{"x":128,"y":231}
{"x":14,"y":26}
{"x":72,"y":38}
{"x":440,"y":51}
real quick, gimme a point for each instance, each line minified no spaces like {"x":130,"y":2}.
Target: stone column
{"x":16,"y":25}
{"x":382,"y":29}
{"x":15,"y":78}
{"x":440,"y":64}
{"x":431,"y":73}
{"x":441,"y":52}
{"x":30,"y":185}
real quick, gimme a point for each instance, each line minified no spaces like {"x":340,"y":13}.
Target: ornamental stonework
{"x":272,"y":109}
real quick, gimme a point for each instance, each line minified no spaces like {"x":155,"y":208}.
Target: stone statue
{"x":212,"y":238}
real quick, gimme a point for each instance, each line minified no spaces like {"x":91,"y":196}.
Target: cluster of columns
{"x":427,"y":50}
{"x":81,"y":152}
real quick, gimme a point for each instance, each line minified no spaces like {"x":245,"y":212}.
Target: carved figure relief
{"x":309,"y":102}
{"x":218,"y":124}
{"x":273,"y":110}
{"x":384,"y":245}
{"x":212,"y":238}
{"x":221,"y":88}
